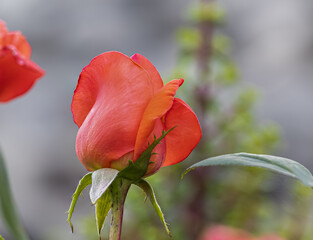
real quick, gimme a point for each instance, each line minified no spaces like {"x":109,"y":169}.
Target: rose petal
{"x":19,"y":41}
{"x":15,"y":39}
{"x":17,"y":74}
{"x":186,"y":134}
{"x":85,"y":96}
{"x":157,"y":107}
{"x":108,"y":69}
{"x":148,"y":66}
{"x":117,"y":91}
{"x":3,"y":29}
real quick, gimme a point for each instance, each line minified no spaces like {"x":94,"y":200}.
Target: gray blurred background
{"x":272,"y":44}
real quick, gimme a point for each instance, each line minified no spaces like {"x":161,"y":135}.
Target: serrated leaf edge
{"x":83,"y":183}
{"x":107,"y":208}
{"x":147,"y":188}
{"x":144,"y":158}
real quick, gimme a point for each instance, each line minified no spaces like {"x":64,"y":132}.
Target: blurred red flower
{"x":229,"y":233}
{"x":225,"y":233}
{"x":119,"y":104}
{"x":17,"y":72}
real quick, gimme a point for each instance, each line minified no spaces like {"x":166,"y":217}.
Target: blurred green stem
{"x":205,"y":49}
{"x":203,"y":92}
{"x":204,"y":97}
{"x":8,"y":207}
{"x":119,"y":189}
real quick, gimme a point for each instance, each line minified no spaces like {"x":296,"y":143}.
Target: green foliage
{"x":87,"y":229}
{"x":101,"y":181}
{"x":103,"y":207}
{"x":147,"y":188}
{"x":241,"y":197}
{"x":280,"y":165}
{"x":8,"y":207}
{"x":136,"y":170}
{"x":83,"y":183}
{"x":298,"y":223}
{"x":189,"y":38}
{"x":226,"y":111}
{"x":210,"y":12}
{"x":109,"y":186}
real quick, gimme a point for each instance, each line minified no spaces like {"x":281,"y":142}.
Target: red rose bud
{"x":17,"y":72}
{"x":120,"y":105}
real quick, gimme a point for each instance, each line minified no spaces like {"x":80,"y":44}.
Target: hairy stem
{"x":119,"y":189}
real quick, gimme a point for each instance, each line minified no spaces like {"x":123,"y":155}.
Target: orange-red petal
{"x":156,"y":79}
{"x":156,"y":109}
{"x":117,"y":74}
{"x":85,"y":95}
{"x":19,"y":41}
{"x":17,"y":73}
{"x":3,"y":28}
{"x":15,"y":39}
{"x":186,"y":134}
{"x":118,"y":91}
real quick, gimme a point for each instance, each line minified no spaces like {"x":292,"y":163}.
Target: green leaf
{"x":147,"y":188}
{"x":8,"y":207}
{"x":102,"y":208}
{"x":83,"y":183}
{"x":277,"y":164}
{"x":101,"y":180}
{"x":1,"y":238}
{"x":136,"y":170}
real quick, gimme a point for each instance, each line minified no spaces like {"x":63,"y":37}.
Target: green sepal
{"x":83,"y":183}
{"x":147,"y":188}
{"x":102,"y":209}
{"x":136,"y":170}
{"x":101,"y":180}
{"x":281,"y":165}
{"x":7,"y":205}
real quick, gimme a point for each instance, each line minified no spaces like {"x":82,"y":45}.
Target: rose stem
{"x":119,"y":189}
